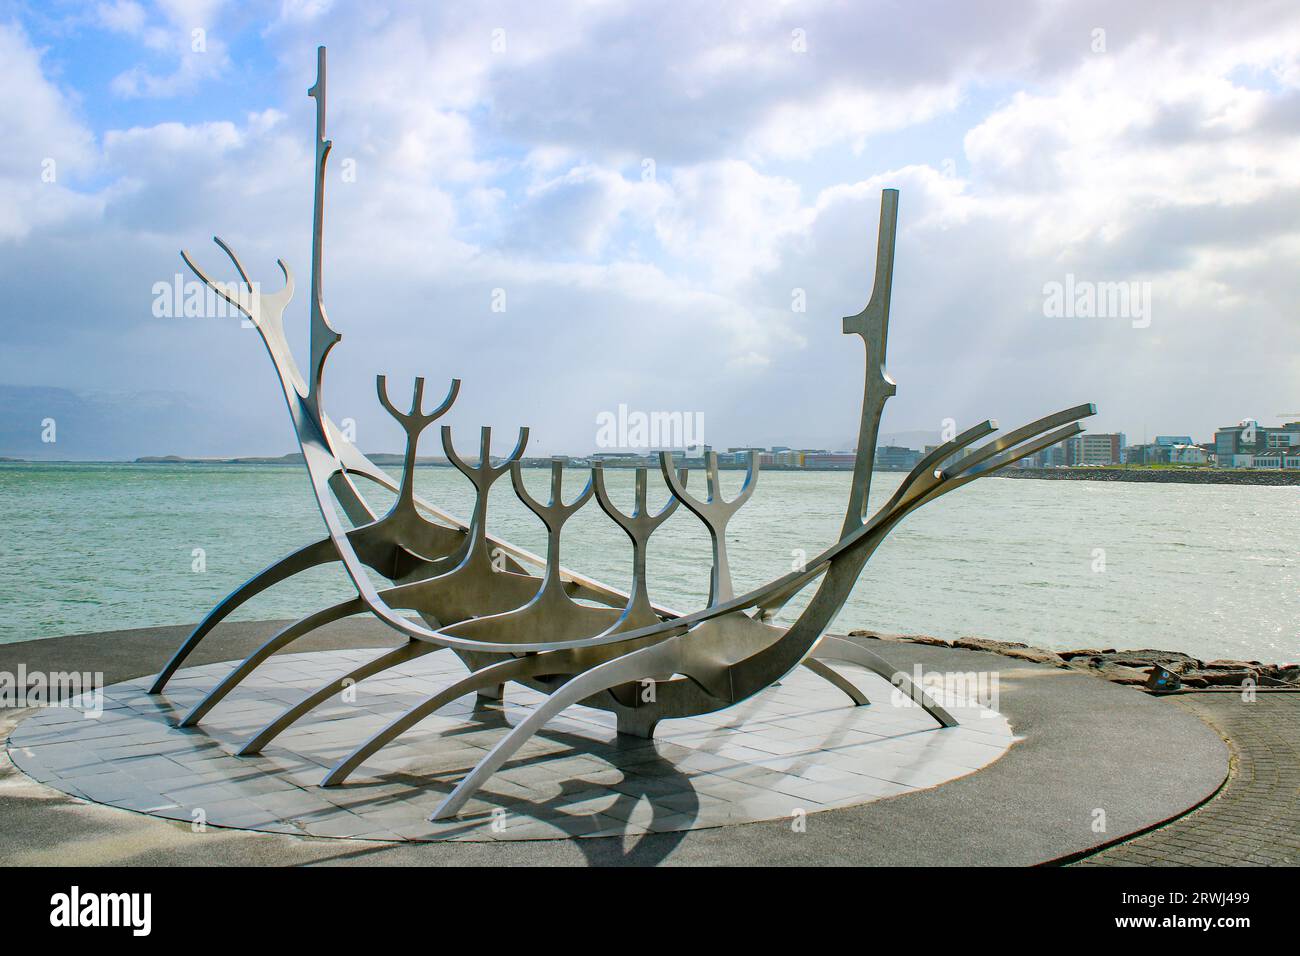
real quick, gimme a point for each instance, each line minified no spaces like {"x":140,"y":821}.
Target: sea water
{"x":1213,"y":570}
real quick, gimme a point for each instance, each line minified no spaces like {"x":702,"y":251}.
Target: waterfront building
{"x":1054,"y":457}
{"x":896,"y":458}
{"x":618,"y":459}
{"x":1149,"y":454}
{"x":781,"y":458}
{"x":1156,"y":453}
{"x":1248,"y":444}
{"x":829,"y":460}
{"x":1188,"y":454}
{"x":1278,"y":458}
{"x":1096,"y":448}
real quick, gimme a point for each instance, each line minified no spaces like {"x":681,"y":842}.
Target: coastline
{"x":1132,"y":667}
{"x":1191,"y":476}
{"x":1195,"y":476}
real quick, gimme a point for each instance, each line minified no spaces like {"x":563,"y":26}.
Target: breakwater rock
{"x":1186,"y":476}
{"x":1123,"y":667}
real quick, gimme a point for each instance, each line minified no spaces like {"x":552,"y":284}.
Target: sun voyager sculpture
{"x":531,"y":620}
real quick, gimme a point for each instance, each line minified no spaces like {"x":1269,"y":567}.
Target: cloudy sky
{"x":651,"y":184}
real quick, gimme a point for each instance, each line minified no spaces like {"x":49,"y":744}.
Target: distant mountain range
{"x":112,"y":426}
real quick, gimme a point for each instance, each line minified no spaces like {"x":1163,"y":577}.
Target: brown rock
{"x":1021,"y":652}
{"x":1221,"y":678}
{"x":877,"y":636}
{"x":1146,"y":658}
{"x":1035,"y":654}
{"x":1116,"y":673}
{"x":902,"y":638}
{"x":1229,"y":665}
{"x":985,"y":644}
{"x":1086,"y":652}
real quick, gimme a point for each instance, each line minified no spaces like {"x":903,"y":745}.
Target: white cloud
{"x":122,"y":16}
{"x":47,"y":148}
{"x":184,"y":33}
{"x":1162,"y":160}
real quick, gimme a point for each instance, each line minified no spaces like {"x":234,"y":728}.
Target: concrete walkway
{"x":1255,"y":818}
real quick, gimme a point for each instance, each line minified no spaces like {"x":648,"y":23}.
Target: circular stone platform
{"x":799,"y":746}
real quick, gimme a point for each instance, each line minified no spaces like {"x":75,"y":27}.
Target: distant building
{"x":1171,"y":440}
{"x":737,"y":456}
{"x":1278,"y":458}
{"x":1057,"y":456}
{"x":781,"y":458}
{"x":1248,"y":444}
{"x":1182,"y":453}
{"x":1096,"y":448}
{"x":896,"y":458}
{"x":1188,"y":454}
{"x":829,"y":460}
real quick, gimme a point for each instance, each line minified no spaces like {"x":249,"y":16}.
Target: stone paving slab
{"x":799,"y":746}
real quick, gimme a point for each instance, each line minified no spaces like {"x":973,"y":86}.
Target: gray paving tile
{"x":797,"y":746}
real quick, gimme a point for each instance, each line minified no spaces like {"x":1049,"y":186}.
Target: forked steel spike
{"x":482,"y":477}
{"x":555,"y":512}
{"x":638,"y":526}
{"x":415,"y":421}
{"x":714,"y":512}
{"x":484,"y":473}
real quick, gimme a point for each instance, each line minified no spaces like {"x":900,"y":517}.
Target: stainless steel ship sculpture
{"x":556,"y":631}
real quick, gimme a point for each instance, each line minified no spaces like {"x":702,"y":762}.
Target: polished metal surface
{"x":571,"y":637}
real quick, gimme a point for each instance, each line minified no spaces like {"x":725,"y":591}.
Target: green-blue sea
{"x":1213,"y":570}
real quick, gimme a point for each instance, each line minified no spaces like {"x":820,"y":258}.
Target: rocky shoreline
{"x":1136,"y":667}
{"x":1191,"y":476}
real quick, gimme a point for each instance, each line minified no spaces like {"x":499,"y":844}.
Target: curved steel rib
{"x":834,"y":677}
{"x":488,"y":676}
{"x":838,"y":649}
{"x":286,"y":635}
{"x":398,"y":655}
{"x":620,"y":670}
{"x":314,"y":555}
{"x":550,"y":613}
